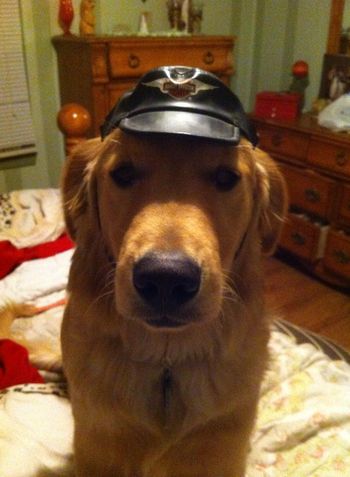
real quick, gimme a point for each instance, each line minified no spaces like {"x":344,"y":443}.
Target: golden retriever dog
{"x":165,"y":335}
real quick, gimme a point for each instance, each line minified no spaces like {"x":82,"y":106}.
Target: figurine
{"x":87,"y":17}
{"x":175,"y":15}
{"x":65,"y":15}
{"x":300,"y":73}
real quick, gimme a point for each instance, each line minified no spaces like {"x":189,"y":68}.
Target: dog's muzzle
{"x":166,"y":281}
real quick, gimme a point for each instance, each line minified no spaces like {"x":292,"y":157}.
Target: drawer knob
{"x":341,"y":257}
{"x":340,"y":158}
{"x":312,"y":195}
{"x":276,"y":140}
{"x":208,"y":58}
{"x":298,"y":239}
{"x":133,"y":61}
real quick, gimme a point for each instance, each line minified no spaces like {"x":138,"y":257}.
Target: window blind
{"x":16,"y":125}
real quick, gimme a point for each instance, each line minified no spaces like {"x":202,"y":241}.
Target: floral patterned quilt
{"x":303,"y":426}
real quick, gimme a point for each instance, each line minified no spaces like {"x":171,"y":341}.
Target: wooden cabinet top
{"x":307,"y":124}
{"x":115,"y":57}
{"x":131,"y":56}
{"x":128,"y":40}
{"x":303,"y":141}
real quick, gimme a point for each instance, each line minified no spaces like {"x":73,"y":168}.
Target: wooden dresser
{"x":316,"y":165}
{"x":95,"y":71}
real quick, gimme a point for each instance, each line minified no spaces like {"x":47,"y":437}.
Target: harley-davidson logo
{"x":179,"y":90}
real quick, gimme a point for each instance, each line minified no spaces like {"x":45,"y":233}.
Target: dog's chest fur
{"x":163,"y":397}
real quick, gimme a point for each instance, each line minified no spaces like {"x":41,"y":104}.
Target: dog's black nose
{"x":166,"y":280}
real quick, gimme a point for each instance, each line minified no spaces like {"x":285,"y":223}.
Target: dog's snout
{"x":166,"y":280}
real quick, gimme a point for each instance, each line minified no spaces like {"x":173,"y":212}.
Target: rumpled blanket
{"x":303,"y":427}
{"x":30,"y":217}
{"x":11,"y":256}
{"x":36,"y":431}
{"x":39,"y":282}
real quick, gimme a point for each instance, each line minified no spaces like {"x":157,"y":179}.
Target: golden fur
{"x":114,"y":360}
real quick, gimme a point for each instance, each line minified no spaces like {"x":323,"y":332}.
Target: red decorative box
{"x":277,"y":105}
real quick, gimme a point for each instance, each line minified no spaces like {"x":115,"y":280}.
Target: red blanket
{"x":15,"y":367}
{"x":11,"y":257}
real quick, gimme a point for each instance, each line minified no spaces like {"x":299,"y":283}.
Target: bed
{"x":303,"y":425}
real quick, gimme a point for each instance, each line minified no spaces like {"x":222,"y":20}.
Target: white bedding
{"x":36,"y":280}
{"x":36,"y":431}
{"x":30,"y":217}
{"x":303,"y":427}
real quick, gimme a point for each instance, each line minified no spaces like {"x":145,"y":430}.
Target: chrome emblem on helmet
{"x":179,"y":89}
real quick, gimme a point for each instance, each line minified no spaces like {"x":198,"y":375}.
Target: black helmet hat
{"x":181,"y":100}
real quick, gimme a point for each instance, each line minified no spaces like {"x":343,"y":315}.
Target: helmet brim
{"x":181,"y":123}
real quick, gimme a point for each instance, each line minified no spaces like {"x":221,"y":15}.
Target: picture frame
{"x":335,"y":79}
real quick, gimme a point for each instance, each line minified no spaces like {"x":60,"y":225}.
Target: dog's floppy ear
{"x":76,"y":180}
{"x":273,"y":200}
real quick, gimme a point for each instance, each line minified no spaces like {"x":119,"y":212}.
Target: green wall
{"x":216,"y":15}
{"x":272,"y":34}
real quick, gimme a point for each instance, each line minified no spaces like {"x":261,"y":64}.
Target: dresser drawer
{"x":285,"y":142}
{"x":329,"y":156}
{"x":303,"y":238}
{"x":309,"y":191}
{"x":344,"y":208}
{"x":136,"y":60}
{"x":337,"y":256}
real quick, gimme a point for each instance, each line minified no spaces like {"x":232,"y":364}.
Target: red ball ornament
{"x":300,"y":69}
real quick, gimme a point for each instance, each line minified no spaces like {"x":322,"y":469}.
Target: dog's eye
{"x":124,"y":175}
{"x":225,"y":179}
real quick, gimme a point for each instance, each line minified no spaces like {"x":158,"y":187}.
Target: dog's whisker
{"x":232,"y":282}
{"x":230,"y":299}
{"x":107,"y":289}
{"x":113,"y":140}
{"x":109,"y":278}
{"x":227,"y":275}
{"x":108,"y":269}
{"x":230,"y":286}
{"x":106,"y":292}
{"x":230,"y":295}
{"x":222,"y":320}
